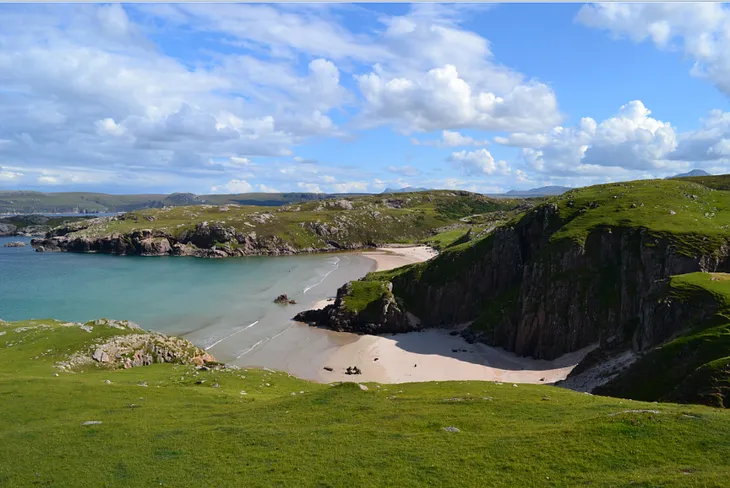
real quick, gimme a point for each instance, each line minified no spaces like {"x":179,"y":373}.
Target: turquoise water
{"x":213,"y":302}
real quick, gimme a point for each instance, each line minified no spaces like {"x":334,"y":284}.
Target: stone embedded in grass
{"x":451,"y":429}
{"x":633,"y":411}
{"x":92,"y":422}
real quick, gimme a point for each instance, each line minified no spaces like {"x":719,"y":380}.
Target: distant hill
{"x":407,"y":189}
{"x":29,"y":202}
{"x":543,"y":191}
{"x":694,"y":172}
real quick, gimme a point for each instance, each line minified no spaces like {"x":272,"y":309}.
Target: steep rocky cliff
{"x":590,"y":266}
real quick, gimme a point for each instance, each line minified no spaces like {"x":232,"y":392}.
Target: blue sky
{"x":234,"y":98}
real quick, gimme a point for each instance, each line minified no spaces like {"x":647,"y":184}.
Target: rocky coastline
{"x":205,"y":240}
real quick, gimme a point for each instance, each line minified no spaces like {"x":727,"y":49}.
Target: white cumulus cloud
{"x":479,"y":162}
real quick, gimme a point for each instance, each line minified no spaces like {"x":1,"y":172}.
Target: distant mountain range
{"x":407,"y":189}
{"x":543,"y":191}
{"x":694,"y":172}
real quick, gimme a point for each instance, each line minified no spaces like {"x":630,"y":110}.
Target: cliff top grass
{"x":687,"y":286}
{"x":403,"y":218}
{"x":183,"y":432}
{"x":694,"y":216}
{"x":363,"y":294}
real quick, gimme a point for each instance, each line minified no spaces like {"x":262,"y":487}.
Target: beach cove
{"x":226,"y":307}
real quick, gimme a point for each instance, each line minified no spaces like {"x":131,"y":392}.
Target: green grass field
{"x":288,"y":432}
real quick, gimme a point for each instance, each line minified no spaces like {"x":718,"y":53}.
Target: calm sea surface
{"x":225,"y":304}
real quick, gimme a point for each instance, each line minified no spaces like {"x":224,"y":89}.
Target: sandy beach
{"x":435,"y":355}
{"x":394,"y":257}
{"x":430,"y":355}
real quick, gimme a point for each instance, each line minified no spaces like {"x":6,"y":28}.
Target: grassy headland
{"x":260,"y":428}
{"x":350,"y":223}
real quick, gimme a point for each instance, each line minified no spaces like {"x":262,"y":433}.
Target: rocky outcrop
{"x":543,"y":299}
{"x":15,"y":244}
{"x":136,"y":349}
{"x":385,"y":315}
{"x":7,"y":229}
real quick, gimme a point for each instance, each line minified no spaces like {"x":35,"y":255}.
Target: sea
{"x":223,"y":305}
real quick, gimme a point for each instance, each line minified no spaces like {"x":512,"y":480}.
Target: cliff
{"x":590,"y":266}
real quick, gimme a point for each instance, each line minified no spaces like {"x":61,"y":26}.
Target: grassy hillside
{"x":404,"y":218}
{"x":258,"y":428}
{"x":693,"y":215}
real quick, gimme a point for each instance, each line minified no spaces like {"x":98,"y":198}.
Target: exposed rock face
{"x":384,"y":316}
{"x":15,"y":244}
{"x":555,"y":298}
{"x":139,"y":349}
{"x":7,"y":229}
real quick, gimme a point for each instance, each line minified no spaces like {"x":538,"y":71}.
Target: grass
{"x":693,"y":366}
{"x":443,"y":240}
{"x":691,"y":215}
{"x":178,"y":433}
{"x":363,"y":294}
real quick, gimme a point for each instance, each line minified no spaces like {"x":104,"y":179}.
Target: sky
{"x":336,"y":98}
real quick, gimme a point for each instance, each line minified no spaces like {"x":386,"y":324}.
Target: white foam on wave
{"x":231,"y":335}
{"x":337,"y":265}
{"x":265,"y":339}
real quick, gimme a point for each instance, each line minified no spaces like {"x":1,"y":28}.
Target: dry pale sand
{"x":434,"y":355}
{"x":394,"y":257}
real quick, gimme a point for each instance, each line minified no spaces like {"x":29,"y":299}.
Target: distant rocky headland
{"x":33,"y":225}
{"x":217,"y":231}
